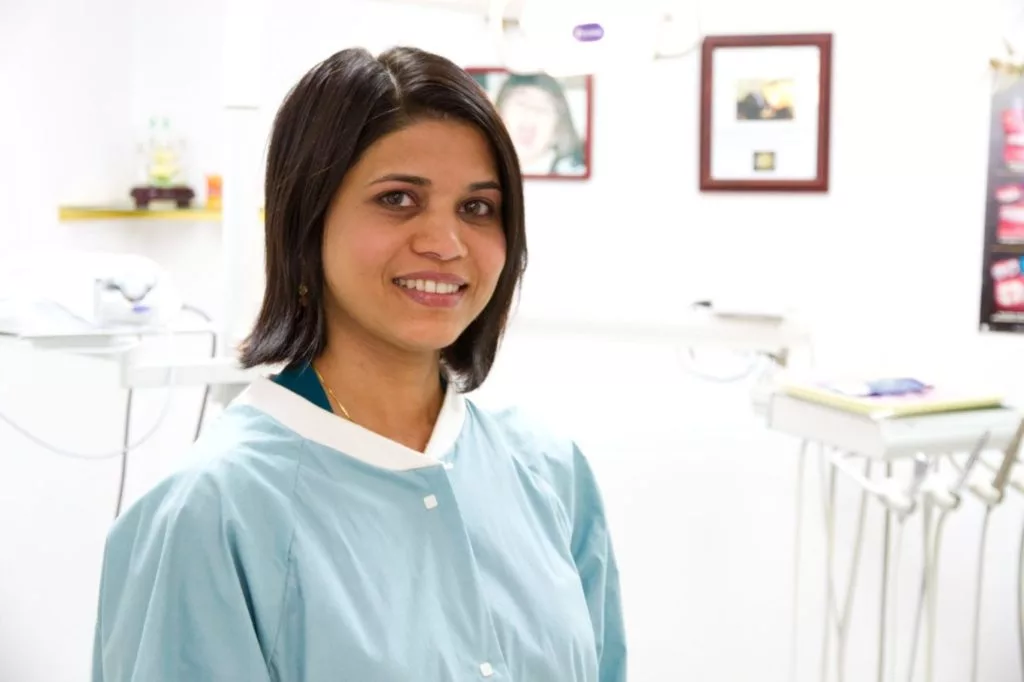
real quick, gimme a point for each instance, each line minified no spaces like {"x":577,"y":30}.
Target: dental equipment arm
{"x":896,"y":495}
{"x":992,"y":492}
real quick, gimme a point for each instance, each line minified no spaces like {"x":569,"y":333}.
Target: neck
{"x":395,"y":395}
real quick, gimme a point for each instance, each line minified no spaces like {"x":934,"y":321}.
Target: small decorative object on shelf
{"x":162,"y":170}
{"x":214,"y":192}
{"x":144,"y":196}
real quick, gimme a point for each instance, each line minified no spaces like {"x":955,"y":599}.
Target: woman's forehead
{"x":432,"y":150}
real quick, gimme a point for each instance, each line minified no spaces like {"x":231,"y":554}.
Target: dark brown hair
{"x":328,"y":120}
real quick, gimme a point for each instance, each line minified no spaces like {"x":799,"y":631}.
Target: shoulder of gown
{"x":194,"y":572}
{"x":548,"y":453}
{"x":531,"y":437}
{"x":239,"y":475}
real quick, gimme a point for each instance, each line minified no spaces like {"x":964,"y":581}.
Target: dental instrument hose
{"x":930,"y":572}
{"x":976,"y":637}
{"x":883,"y":605}
{"x":851,"y":587}
{"x":213,"y":353}
{"x":123,"y":477}
{"x":1020,"y":598}
{"x":126,"y":441}
{"x":98,"y":456}
{"x":828,"y":499}
{"x":840,"y":616}
{"x":797,"y":545}
{"x":801,"y":469}
{"x":929,"y":585}
{"x":894,"y":609}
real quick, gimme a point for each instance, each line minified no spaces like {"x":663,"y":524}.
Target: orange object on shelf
{"x":214,"y":192}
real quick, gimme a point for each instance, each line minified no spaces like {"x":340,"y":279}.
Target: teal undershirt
{"x":302,"y":380}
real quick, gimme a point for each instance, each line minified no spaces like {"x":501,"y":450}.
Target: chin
{"x":428,"y":338}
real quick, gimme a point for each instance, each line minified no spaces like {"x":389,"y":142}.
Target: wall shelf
{"x":80,"y":213}
{"x":68,"y":214}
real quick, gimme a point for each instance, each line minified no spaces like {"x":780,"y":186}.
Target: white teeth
{"x":428,"y":285}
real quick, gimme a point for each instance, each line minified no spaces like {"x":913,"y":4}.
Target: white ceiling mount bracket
{"x":497,"y":26}
{"x":680,"y":32}
{"x":594,"y":37}
{"x":581,"y":37}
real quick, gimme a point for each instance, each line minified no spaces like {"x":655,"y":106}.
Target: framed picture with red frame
{"x":549,"y":120}
{"x":765,"y":113}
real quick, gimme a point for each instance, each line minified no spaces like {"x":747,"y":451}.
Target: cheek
{"x":490,"y":252}
{"x":354,"y":254}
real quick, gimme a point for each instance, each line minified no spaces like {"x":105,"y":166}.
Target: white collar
{"x":318,"y":425}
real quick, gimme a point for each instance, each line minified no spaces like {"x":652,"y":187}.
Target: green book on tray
{"x":895,"y":397}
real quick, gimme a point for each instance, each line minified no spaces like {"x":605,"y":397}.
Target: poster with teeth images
{"x":1002,"y":290}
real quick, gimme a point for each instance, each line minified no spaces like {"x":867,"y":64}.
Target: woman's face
{"x":413,"y":240}
{"x":531,"y":116}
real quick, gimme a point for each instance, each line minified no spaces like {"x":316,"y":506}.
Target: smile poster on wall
{"x":1002,"y":290}
{"x":549,"y":120}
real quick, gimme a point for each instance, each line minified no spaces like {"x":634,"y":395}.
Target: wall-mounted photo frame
{"x":549,"y":119}
{"x":765,"y":114}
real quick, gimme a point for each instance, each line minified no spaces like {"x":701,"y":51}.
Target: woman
{"x":536,"y":112}
{"x":355,"y":518}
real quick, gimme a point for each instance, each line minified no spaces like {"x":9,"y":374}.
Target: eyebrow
{"x":424,"y":182}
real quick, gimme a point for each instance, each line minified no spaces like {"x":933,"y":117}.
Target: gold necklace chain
{"x":331,"y":395}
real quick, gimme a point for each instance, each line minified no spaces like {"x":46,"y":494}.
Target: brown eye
{"x":396,"y":200}
{"x":478,"y":208}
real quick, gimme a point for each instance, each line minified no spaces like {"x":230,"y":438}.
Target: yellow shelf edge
{"x":85,"y":213}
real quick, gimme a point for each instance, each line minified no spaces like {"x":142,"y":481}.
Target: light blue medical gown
{"x":305,"y":548}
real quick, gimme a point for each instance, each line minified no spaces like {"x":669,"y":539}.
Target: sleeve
{"x":175,"y":602}
{"x":595,"y":560}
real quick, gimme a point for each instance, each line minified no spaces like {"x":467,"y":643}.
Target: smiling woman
{"x":355,"y":517}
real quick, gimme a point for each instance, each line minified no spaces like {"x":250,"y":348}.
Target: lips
{"x":433,"y":289}
{"x":431,"y":282}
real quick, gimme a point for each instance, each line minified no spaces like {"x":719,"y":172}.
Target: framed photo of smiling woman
{"x":548,"y":118}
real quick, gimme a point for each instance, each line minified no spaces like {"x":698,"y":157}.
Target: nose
{"x":439,"y":237}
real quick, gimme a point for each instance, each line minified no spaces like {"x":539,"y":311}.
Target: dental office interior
{"x":668,"y":319}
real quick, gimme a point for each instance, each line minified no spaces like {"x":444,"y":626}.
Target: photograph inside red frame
{"x":548,"y":119}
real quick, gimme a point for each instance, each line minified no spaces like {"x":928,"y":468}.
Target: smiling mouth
{"x":431,"y":292}
{"x":430,"y":286}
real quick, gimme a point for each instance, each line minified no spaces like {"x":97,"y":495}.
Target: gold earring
{"x":303,"y":294}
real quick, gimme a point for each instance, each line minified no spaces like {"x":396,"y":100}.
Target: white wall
{"x":885,"y":267}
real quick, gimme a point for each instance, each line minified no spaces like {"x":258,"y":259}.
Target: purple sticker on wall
{"x":588,"y":33}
